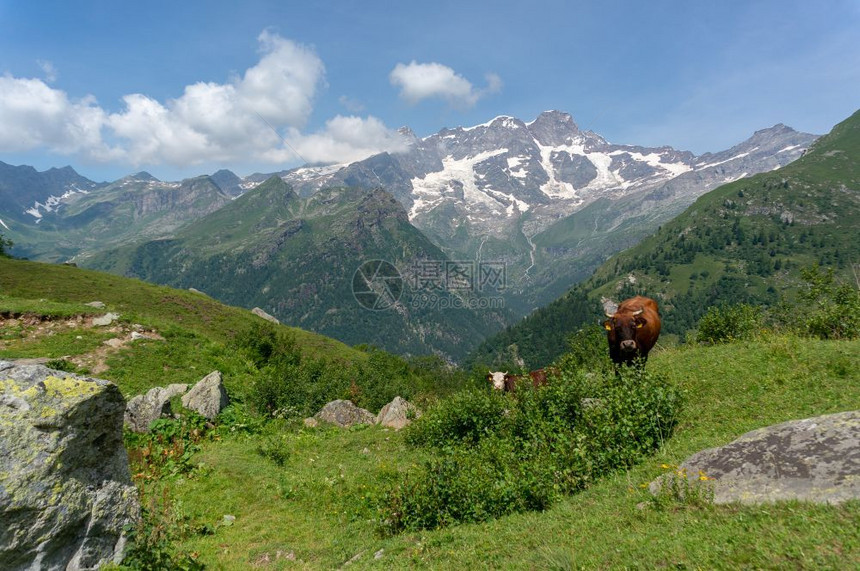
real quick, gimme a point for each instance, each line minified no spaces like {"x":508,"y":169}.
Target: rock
{"x":136,"y":336}
{"x":379,"y":554}
{"x":814,"y":459}
{"x":311,"y":422}
{"x":96,"y":304}
{"x":197,"y":291}
{"x":208,"y":397}
{"x":105,"y":319}
{"x":143,"y":409}
{"x":344,"y":413}
{"x":65,"y":486}
{"x":260,"y":313}
{"x":397,"y":414}
{"x":114,"y":343}
{"x":228,"y":520}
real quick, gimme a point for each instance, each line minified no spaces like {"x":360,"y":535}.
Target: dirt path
{"x":30,"y":329}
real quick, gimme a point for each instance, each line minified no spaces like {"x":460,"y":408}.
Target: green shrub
{"x":496,"y":454}
{"x":587,"y":350}
{"x":275,"y":448}
{"x":5,"y":245}
{"x":151,"y":541}
{"x":465,"y":417}
{"x":830,"y":310}
{"x":723,"y":324}
{"x":266,"y":344}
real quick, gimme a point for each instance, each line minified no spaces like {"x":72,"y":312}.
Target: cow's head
{"x":622,"y":329}
{"x":497,"y":379}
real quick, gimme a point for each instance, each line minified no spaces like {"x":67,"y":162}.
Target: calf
{"x":508,"y":383}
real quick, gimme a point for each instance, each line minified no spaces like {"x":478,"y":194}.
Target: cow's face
{"x":622,"y":330}
{"x":497,"y":379}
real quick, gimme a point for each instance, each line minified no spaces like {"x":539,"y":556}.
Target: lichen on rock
{"x":65,"y":486}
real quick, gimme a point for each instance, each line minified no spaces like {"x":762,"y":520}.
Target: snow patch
{"x":740,"y":156}
{"x":507,"y":121}
{"x":429,"y":191}
{"x":555,"y":188}
{"x":788,"y":148}
{"x":656,"y":160}
{"x":3,"y":224}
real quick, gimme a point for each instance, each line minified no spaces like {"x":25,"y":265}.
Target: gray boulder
{"x":397,"y":414}
{"x":814,"y":459}
{"x":143,"y":409}
{"x":260,"y":313}
{"x":208,"y":397}
{"x":344,"y":413}
{"x":105,"y":319}
{"x":65,"y":486}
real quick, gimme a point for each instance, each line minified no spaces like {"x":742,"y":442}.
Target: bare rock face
{"x":814,"y":459}
{"x":143,"y":409}
{"x":344,"y":413}
{"x":260,"y":313}
{"x":397,"y":414}
{"x":65,"y":486}
{"x":208,"y":397}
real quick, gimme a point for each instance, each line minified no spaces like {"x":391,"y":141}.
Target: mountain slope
{"x":510,"y":190}
{"x":133,"y":208}
{"x":297,"y":259}
{"x":743,"y":242}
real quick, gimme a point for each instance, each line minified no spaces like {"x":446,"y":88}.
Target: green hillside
{"x":198,"y":331}
{"x":314,"y":497}
{"x":296,"y":258}
{"x":131,"y":209}
{"x":743,"y":242}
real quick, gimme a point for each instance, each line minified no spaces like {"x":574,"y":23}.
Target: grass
{"x":318,"y":505}
{"x":198,"y":331}
{"x":311,"y":501}
{"x":24,"y":284}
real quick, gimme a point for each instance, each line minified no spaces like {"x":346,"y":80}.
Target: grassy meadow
{"x":301,"y":497}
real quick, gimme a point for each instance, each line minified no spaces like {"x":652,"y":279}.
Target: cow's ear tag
{"x":640,"y":324}
{"x":607,"y":326}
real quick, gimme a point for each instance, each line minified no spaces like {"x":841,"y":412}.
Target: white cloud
{"x":48,"y":69}
{"x":33,"y":114}
{"x":419,"y":81}
{"x":235,"y":121}
{"x":344,"y":139}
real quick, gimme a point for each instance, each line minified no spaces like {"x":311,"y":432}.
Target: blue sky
{"x":184,"y":88}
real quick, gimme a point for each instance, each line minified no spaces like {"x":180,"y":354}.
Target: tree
{"x":5,"y":244}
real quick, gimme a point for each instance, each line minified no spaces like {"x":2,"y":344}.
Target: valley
{"x":545,"y":200}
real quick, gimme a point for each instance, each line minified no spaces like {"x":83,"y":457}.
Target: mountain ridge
{"x":744,"y":241}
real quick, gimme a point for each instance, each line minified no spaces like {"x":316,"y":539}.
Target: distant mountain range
{"x":545,"y":200}
{"x":551,"y":200}
{"x":300,"y":259}
{"x":743,"y":242}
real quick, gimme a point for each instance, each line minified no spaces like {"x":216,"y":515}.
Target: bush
{"x":464,"y":418}
{"x":831,"y":310}
{"x":496,"y":454}
{"x":286,"y":380}
{"x":5,"y":245}
{"x":587,"y":350}
{"x":722,"y":324}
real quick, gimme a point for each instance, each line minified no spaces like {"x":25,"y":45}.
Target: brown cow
{"x":508,"y":383}
{"x":633,"y":330}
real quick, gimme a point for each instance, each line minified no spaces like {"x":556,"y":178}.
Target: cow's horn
{"x":609,"y":315}
{"x":506,"y":373}
{"x":638,"y":311}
